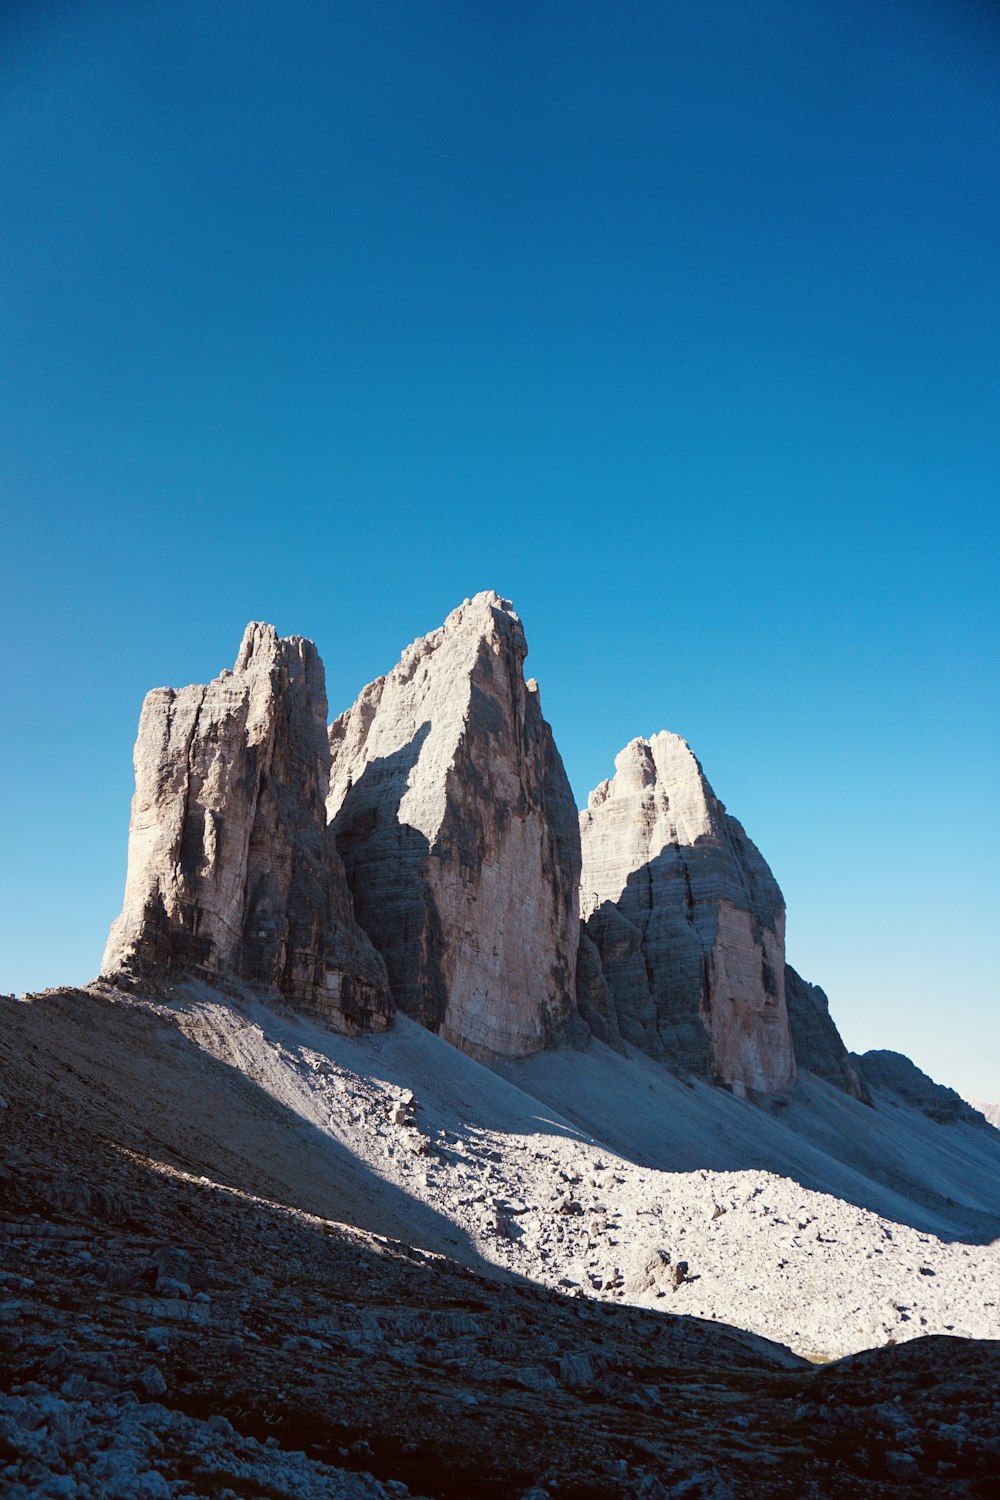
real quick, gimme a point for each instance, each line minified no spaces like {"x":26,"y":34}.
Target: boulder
{"x":231,"y":870}
{"x":458,"y":831}
{"x":688,"y":921}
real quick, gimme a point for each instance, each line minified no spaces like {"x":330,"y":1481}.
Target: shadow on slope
{"x":231,"y":1103}
{"x":366,"y":1354}
{"x":131,"y":1075}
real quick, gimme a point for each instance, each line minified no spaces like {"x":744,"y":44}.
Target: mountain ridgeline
{"x":424,"y":854}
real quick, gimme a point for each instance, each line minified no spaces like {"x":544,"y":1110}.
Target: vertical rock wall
{"x":231,"y":870}
{"x":458,"y":831}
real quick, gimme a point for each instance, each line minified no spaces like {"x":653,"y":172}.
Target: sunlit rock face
{"x":688,"y":921}
{"x":231,"y":870}
{"x":817,"y":1042}
{"x":458,"y":831}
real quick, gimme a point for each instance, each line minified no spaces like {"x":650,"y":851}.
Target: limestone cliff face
{"x":457,"y":828}
{"x":817,"y":1042}
{"x":231,"y":870}
{"x":687,"y":919}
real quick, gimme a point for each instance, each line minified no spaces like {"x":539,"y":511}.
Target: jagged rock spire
{"x":231,"y":870}
{"x":458,"y":831}
{"x":687,"y":920}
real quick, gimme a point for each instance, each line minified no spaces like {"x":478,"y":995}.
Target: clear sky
{"x":677,"y":323}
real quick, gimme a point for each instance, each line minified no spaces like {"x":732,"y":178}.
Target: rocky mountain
{"x":449,"y":880}
{"x":457,"y":828}
{"x":231,"y":872}
{"x":262,"y":1231}
{"x":687,"y":921}
{"x":901,"y":1079}
{"x":815,"y":1038}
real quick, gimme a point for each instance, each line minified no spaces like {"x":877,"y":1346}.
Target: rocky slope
{"x":457,"y":828}
{"x":183,"y":1311}
{"x":687,"y":920}
{"x":230,"y":868}
{"x":806,"y":1223}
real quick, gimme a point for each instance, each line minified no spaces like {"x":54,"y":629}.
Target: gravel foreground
{"x":203,"y":1291}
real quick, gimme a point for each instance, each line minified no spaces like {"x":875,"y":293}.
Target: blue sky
{"x":676,"y":323}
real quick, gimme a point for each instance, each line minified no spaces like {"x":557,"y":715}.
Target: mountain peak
{"x":457,"y":827}
{"x":687,"y":920}
{"x":231,"y":872}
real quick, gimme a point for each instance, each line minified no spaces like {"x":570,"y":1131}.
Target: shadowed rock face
{"x":894,"y":1073}
{"x":457,"y":828}
{"x":817,"y":1042}
{"x":593,"y":997}
{"x":231,"y":870}
{"x":687,"y":919}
